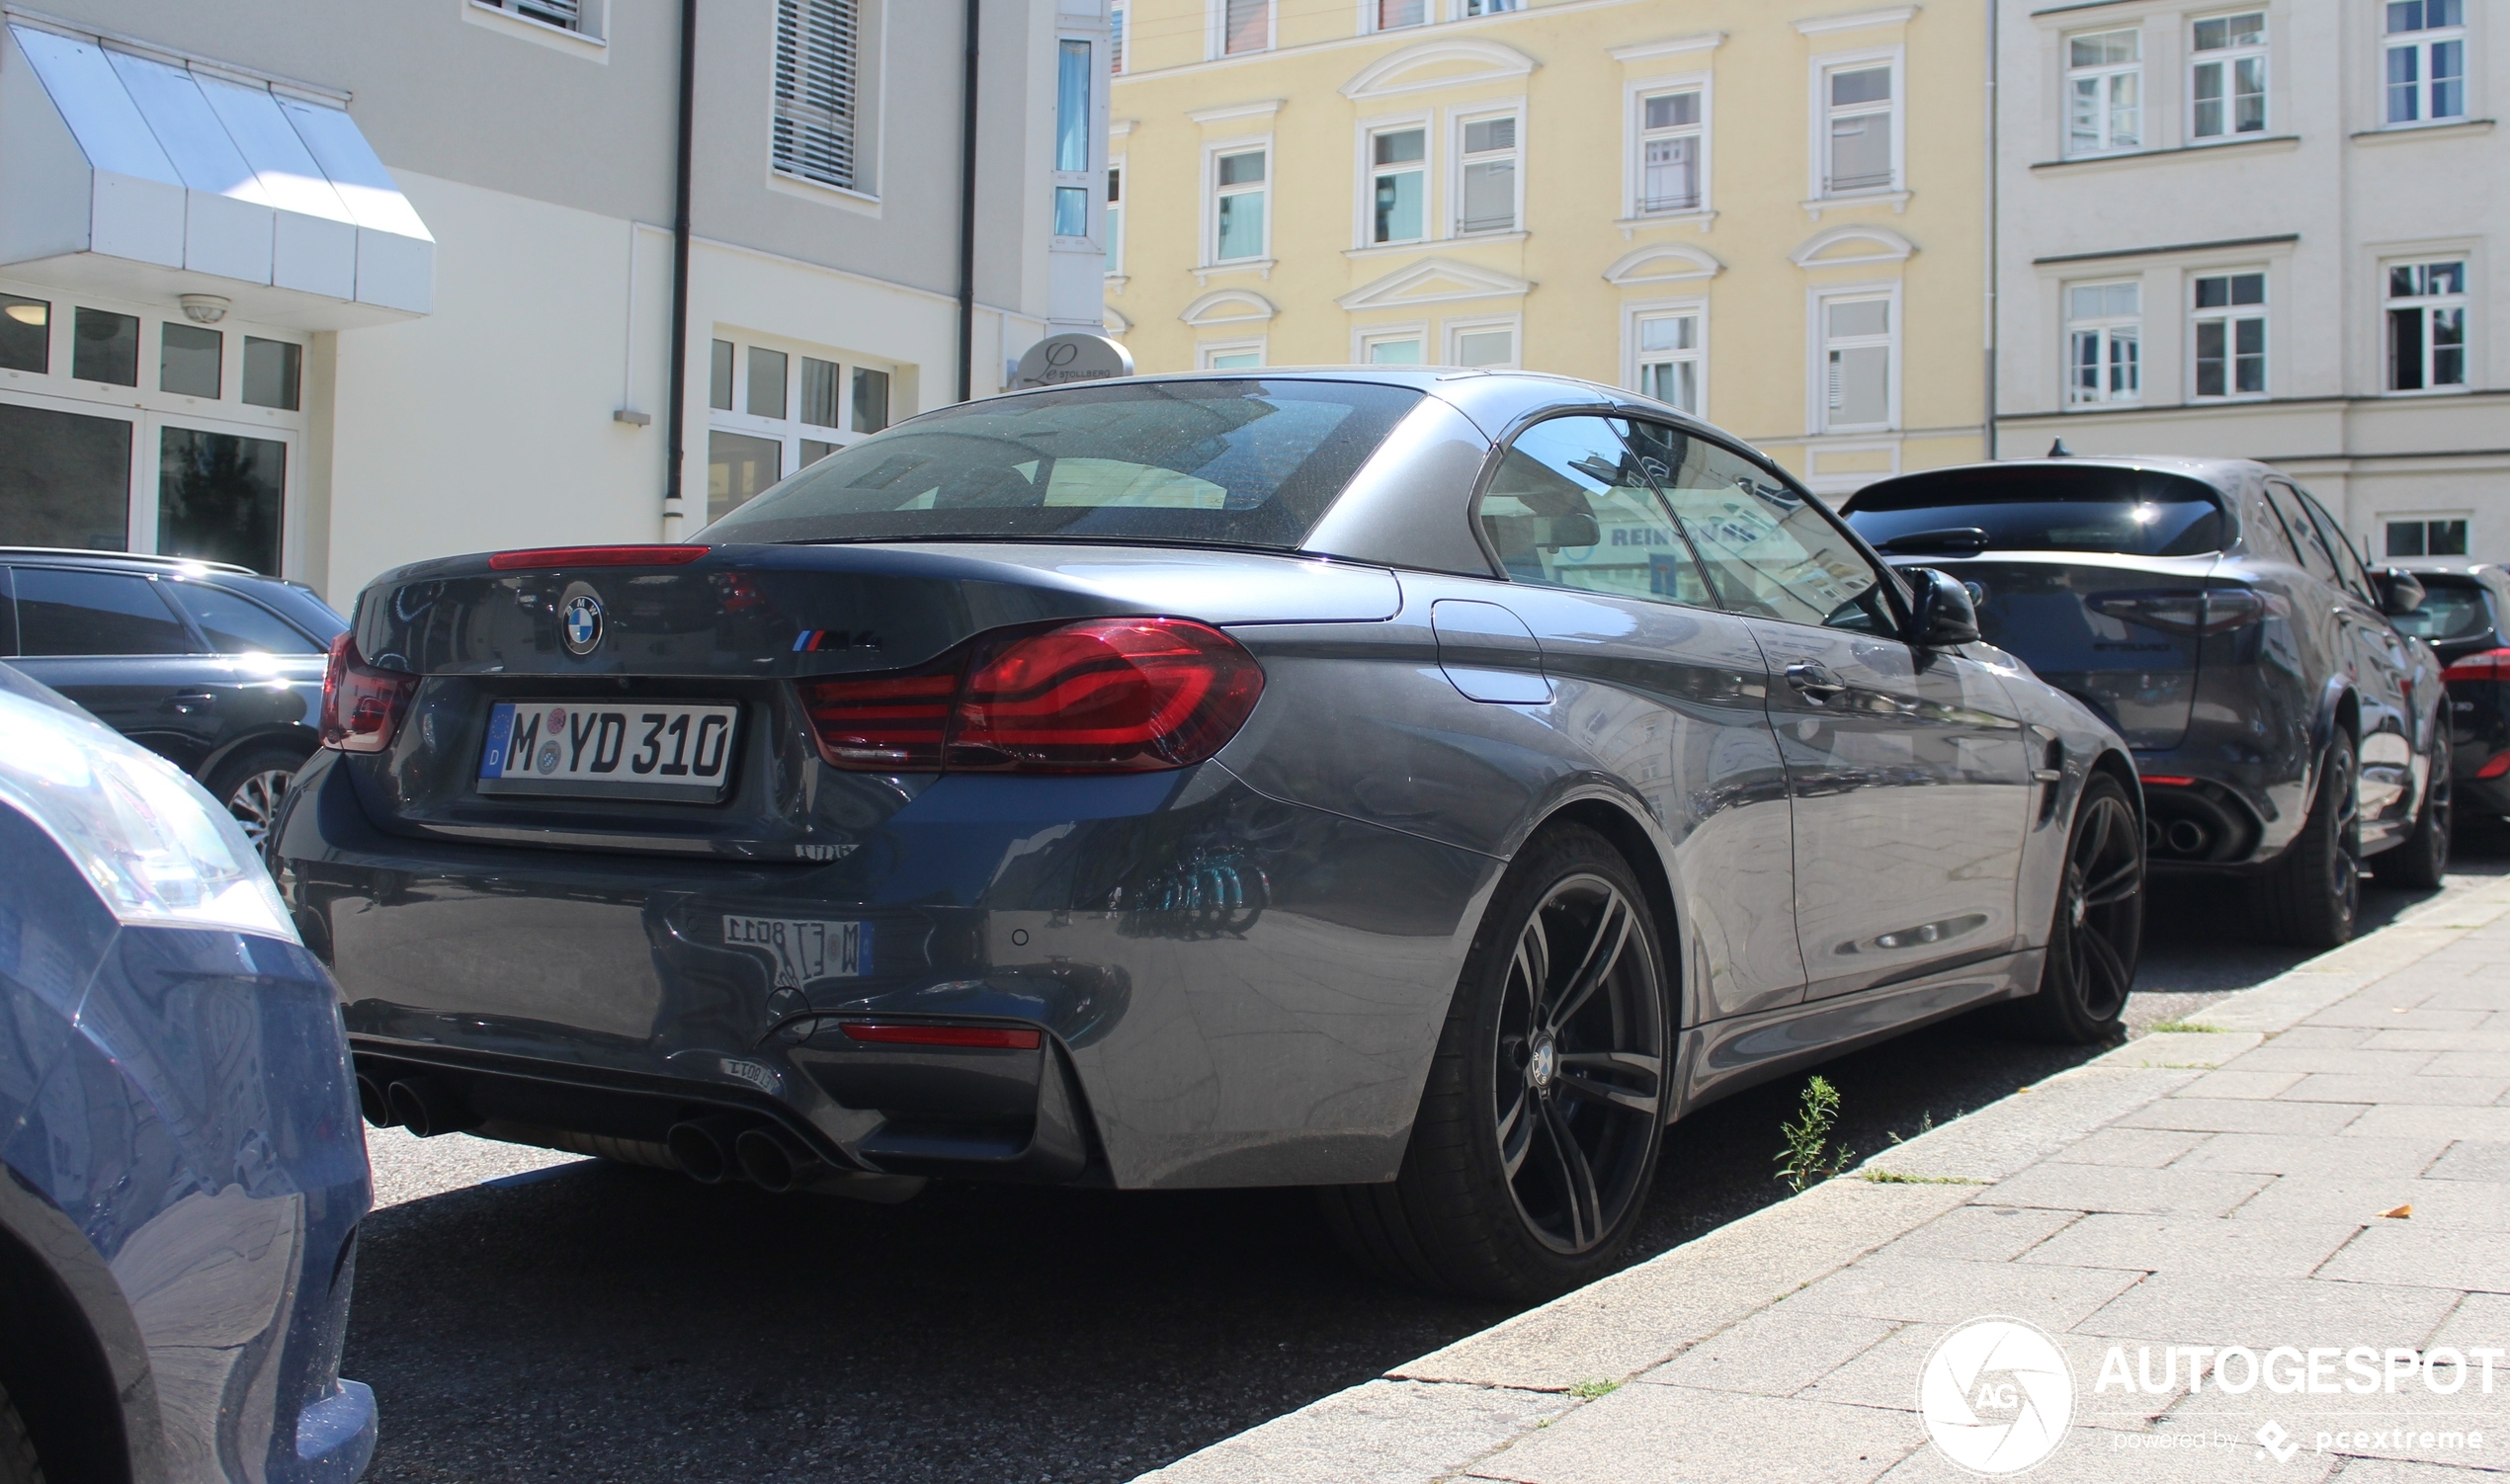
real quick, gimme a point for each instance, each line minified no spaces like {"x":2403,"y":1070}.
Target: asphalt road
{"x":527,"y":1316}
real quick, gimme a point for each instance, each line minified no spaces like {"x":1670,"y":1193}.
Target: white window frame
{"x":1364,"y":204}
{"x":2229,"y":59}
{"x":1216,"y":45}
{"x":790,"y":430}
{"x":2424,"y":518}
{"x":1635,"y":359}
{"x":1091,"y":183}
{"x":1112,"y":217}
{"x":1211,"y":232}
{"x":1208,"y":351}
{"x":2425,"y":304}
{"x":2107,"y":76}
{"x":1818,"y":301}
{"x":588,"y":38}
{"x":2105,"y":327}
{"x":1634,"y":140}
{"x":1368,"y":18}
{"x":2421,"y":42}
{"x":1366,"y":336}
{"x":2231,"y":314}
{"x":1825,"y":63}
{"x":1462,"y":10}
{"x":857,"y":157}
{"x":1120,"y":19}
{"x":1457,"y":121}
{"x":1452,"y":333}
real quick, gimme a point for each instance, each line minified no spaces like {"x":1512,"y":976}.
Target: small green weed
{"x":1805,"y":1160}
{"x":1587,"y":1391}
{"x":1895,"y":1177}
{"x":2184,"y":1027}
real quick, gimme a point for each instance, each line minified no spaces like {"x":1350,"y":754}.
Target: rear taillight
{"x":975,"y":1037}
{"x":1105,"y":696}
{"x":595,"y":557}
{"x":2490,"y":664}
{"x":2494,"y":766}
{"x":2188,"y":610}
{"x":362,"y":706}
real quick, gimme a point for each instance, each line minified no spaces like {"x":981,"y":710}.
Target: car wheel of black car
{"x":2311,"y":895}
{"x":2423,"y":859}
{"x":18,"y":1463}
{"x":1538,"y":1133}
{"x":2099,"y":931}
{"x":252,"y":782}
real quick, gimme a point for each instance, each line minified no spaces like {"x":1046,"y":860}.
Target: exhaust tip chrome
{"x":703,"y":1147}
{"x":427,"y":1107}
{"x":375,"y":1105}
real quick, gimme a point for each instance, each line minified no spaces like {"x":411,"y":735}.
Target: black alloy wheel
{"x":2313,"y":894}
{"x":251,"y":787}
{"x":18,"y":1463}
{"x":2098,"y":934}
{"x":1537,"y":1134}
{"x":2422,"y":861}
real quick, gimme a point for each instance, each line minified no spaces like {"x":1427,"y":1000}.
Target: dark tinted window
{"x":2348,"y":565}
{"x":2453,"y":609}
{"x":2314,"y":551}
{"x":1571,"y":507}
{"x":237,"y":625}
{"x":63,"y":612}
{"x":2265,"y":533}
{"x":1234,"y":462}
{"x":2035,"y":508}
{"x":1771,"y":551}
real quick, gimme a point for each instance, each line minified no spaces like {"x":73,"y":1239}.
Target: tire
{"x":2313,"y":895}
{"x":1538,"y":1133}
{"x":18,"y":1463}
{"x":252,"y":782}
{"x":2422,"y":861}
{"x":2099,"y":931}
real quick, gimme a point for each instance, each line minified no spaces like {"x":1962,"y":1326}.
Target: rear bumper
{"x":1232,"y":990}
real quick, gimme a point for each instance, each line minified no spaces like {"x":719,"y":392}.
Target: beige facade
{"x":1773,"y":216}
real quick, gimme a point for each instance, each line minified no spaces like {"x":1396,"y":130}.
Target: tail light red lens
{"x":595,"y":557}
{"x":1105,"y":696}
{"x":2494,"y":766}
{"x":977,"y":1037}
{"x":2491,"y":664}
{"x":362,"y":706}
{"x":2189,"y":610}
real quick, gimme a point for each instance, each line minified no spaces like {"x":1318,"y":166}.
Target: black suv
{"x":211,"y":666}
{"x":2466,"y":618}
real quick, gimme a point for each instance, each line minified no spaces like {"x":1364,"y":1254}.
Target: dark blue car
{"x":184,"y":1169}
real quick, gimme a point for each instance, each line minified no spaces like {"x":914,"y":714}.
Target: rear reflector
{"x":976,"y":1037}
{"x":2491,"y":664}
{"x":362,"y":706}
{"x":2494,"y":766}
{"x":2168,"y":780}
{"x":1104,"y":696}
{"x":596,"y":557}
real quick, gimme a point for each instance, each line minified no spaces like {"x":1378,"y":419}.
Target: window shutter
{"x":815,"y":47}
{"x":567,"y":13}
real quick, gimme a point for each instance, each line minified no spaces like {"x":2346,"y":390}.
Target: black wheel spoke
{"x":2096,"y":843}
{"x":1605,"y":1091}
{"x":1603,"y":955}
{"x":1578,"y":1179}
{"x":1533,"y":961}
{"x":2106,"y":964}
{"x":1516,"y":1134}
{"x":2117,"y":887}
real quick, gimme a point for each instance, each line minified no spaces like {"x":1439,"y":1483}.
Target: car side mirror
{"x":2399,"y":591}
{"x":1944,"y":618}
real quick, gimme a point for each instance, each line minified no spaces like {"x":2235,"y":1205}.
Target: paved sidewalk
{"x":2325,"y":1169}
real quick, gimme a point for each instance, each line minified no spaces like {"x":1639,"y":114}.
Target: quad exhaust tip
{"x":704,"y":1146}
{"x":424,"y":1107}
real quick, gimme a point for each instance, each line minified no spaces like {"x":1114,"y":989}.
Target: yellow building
{"x":1771,"y":215}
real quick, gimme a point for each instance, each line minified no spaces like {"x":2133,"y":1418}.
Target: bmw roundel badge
{"x":580,"y":619}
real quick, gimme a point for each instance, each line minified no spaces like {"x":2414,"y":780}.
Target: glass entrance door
{"x":65,"y":474}
{"x":221,"y":496}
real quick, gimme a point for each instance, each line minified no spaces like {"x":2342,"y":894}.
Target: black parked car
{"x":2286,"y":724}
{"x":212,"y":666}
{"x":2466,"y":619}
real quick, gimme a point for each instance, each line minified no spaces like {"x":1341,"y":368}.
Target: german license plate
{"x":801,"y":951}
{"x":665,"y":750}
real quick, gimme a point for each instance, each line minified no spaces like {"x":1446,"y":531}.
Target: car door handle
{"x":192,"y":701}
{"x":1814,"y":682}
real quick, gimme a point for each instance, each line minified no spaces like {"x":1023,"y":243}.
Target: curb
{"x":1435,"y":1417}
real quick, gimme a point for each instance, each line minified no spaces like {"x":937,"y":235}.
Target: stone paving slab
{"x":2330,"y":1166}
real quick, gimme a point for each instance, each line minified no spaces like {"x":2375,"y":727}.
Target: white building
{"x":329,"y":288}
{"x":2273,"y":231}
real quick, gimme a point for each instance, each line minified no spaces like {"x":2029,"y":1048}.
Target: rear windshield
{"x":2034,"y":507}
{"x":1224,"y":463}
{"x":2450,"y":611}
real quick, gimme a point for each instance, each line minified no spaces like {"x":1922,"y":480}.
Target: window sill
{"x":1260,"y":267}
{"x":2175,"y":152}
{"x":2446,"y":128}
{"x":1115,"y":281}
{"x":825,"y":194}
{"x":2073,"y":408}
{"x":1518,"y":236}
{"x":556,"y":38}
{"x":1429,"y":244}
{"x":1702,"y":217}
{"x":1898,"y":201}
{"x":2420,"y":393}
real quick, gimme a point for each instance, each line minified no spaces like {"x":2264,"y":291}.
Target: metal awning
{"x":148,"y":176}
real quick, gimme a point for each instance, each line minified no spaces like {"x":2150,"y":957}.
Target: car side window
{"x":1572,"y":508}
{"x":235,"y":625}
{"x":2264,"y":531}
{"x":66,"y":612}
{"x":2314,"y":552}
{"x":8,"y":617}
{"x":2347,"y":563}
{"x":1768,"y":550}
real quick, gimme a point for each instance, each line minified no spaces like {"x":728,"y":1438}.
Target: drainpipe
{"x":1994,"y":10}
{"x":968,"y":215}
{"x":677,"y":403}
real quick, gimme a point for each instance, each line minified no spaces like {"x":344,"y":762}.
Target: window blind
{"x":815,"y":71}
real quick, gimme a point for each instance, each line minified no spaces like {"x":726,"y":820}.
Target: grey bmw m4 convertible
{"x":1423,"y":785}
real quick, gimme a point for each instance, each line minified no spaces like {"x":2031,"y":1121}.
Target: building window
{"x":1860,"y":350}
{"x":2427,"y":326}
{"x":2105,"y":92}
{"x":1392,"y":348}
{"x":1115,"y":220}
{"x":566,"y":14}
{"x":1245,"y":25}
{"x":1862,"y":114}
{"x":1115,"y":17}
{"x":190,"y":360}
{"x":1487,"y":202}
{"x":1242,"y":355}
{"x":1237,"y":232}
{"x":1395,"y":14}
{"x":2230,"y":335}
{"x":1073,"y":66}
{"x":2426,"y":61}
{"x":777,"y":411}
{"x":1492,"y":345}
{"x":2228,"y":85}
{"x":1471,"y":8}
{"x":817,"y":67}
{"x":25,"y":334}
{"x":1669,"y":358}
{"x":2445,"y":536}
{"x":1398,"y":185}
{"x":1670,"y":127}
{"x":2104,"y":337}
{"x":104,"y":347}
{"x":272,"y":373}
